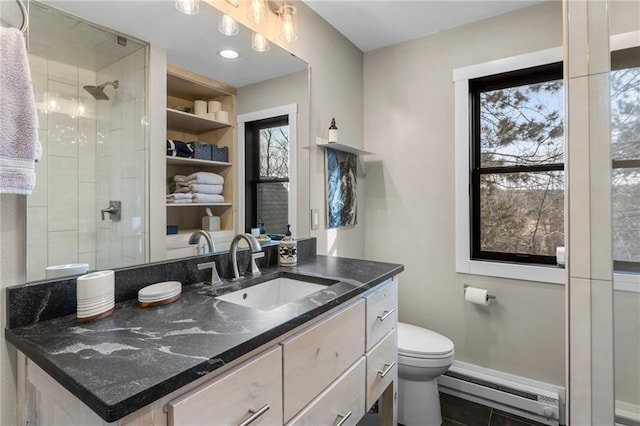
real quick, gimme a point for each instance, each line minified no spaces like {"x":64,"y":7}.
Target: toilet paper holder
{"x":489,"y":296}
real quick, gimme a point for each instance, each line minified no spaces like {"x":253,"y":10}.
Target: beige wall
{"x":290,"y":89}
{"x":409,"y":124}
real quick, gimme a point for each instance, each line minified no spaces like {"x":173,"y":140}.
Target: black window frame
{"x":532,"y":75}
{"x":252,"y":167}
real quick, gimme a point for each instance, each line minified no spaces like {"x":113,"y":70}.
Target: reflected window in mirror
{"x":267,"y":174}
{"x":625,"y":142}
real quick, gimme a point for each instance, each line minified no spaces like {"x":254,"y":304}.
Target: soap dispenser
{"x":288,"y":250}
{"x":333,"y":131}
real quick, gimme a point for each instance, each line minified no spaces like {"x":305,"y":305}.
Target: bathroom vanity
{"x":323,"y":359}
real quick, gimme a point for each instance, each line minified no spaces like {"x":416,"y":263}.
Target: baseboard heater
{"x":517,"y":395}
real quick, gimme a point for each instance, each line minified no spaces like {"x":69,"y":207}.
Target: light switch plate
{"x":315,"y":219}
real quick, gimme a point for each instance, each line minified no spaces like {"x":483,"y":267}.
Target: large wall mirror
{"x":90,"y":66}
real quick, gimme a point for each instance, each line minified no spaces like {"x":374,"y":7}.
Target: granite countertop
{"x":119,"y":364}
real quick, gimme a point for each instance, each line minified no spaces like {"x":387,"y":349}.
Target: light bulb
{"x":259,"y":43}
{"x":188,"y":7}
{"x":227,"y":25}
{"x":288,"y":16}
{"x":258,"y":11}
{"x":228,"y":54}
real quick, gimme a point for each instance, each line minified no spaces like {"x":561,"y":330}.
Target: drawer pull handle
{"x":386,"y":314}
{"x":387,"y":368}
{"x":255,"y":414}
{"x":343,"y":418}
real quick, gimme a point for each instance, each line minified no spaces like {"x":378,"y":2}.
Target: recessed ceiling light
{"x":228,"y":54}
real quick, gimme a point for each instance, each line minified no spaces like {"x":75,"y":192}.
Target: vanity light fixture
{"x":258,"y":11}
{"x":259,"y":43}
{"x":227,"y":25}
{"x":228,"y":53}
{"x":287,"y":13}
{"x":188,"y":7}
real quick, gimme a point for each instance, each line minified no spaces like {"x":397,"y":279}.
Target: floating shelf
{"x":199,"y":204}
{"x":191,"y":122}
{"x":324,"y":143}
{"x":181,"y":161}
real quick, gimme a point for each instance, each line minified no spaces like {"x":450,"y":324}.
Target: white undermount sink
{"x":272,"y":294}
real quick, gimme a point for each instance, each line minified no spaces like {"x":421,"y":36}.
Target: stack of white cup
{"x":95,"y":294}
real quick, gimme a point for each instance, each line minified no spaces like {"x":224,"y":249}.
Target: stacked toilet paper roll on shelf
{"x":211,"y":110}
{"x":95,"y":295}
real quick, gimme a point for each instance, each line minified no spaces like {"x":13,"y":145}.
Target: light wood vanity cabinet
{"x":329,"y":372}
{"x":316,"y":356}
{"x":250,"y":393}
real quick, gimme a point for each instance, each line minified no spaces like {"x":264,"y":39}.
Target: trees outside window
{"x":625,"y":141}
{"x":517,"y":161}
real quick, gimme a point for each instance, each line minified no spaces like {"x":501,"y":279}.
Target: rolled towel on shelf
{"x":200,"y":177}
{"x":207,"y":198}
{"x":178,"y":196}
{"x":180,"y":201}
{"x":202,"y":188}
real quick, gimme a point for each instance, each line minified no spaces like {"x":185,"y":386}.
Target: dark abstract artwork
{"x":342,"y":206}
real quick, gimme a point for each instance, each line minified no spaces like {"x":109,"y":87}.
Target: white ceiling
{"x":373,"y":24}
{"x":192,"y":42}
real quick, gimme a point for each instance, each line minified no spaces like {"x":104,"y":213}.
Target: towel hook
{"x":25,"y":15}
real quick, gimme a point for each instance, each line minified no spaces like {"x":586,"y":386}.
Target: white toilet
{"x":423,"y":355}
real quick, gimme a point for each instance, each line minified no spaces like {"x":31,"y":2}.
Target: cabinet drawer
{"x":381,"y":367}
{"x":317,"y":356}
{"x":344,"y":397}
{"x":236,"y":396}
{"x":381,"y":313}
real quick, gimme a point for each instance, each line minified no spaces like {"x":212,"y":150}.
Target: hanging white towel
{"x":19,"y":145}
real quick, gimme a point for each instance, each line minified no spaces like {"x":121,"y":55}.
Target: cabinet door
{"x":343,"y":401}
{"x":381,"y":367}
{"x":381,"y":312}
{"x":318,"y":355}
{"x":253,"y":389}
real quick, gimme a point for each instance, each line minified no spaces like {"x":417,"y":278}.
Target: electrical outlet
{"x":315,"y":219}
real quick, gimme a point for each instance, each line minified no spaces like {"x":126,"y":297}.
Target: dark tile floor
{"x":460,"y":412}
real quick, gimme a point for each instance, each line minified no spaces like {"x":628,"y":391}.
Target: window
{"x":625,"y":142}
{"x":517,"y":165}
{"x":267,"y":149}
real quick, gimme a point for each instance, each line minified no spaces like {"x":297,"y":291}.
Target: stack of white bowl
{"x":95,"y":294}
{"x":159,"y":292}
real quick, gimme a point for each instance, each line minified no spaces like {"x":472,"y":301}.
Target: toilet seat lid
{"x":420,"y":342}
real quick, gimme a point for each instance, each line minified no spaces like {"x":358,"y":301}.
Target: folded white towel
{"x":19,"y":145}
{"x":202,"y":188}
{"x":178,"y":196}
{"x":200,"y":177}
{"x":207,"y":198}
{"x":180,"y":201}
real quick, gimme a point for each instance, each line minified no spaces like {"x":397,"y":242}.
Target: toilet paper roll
{"x":200,"y":108}
{"x":214,"y":106}
{"x":476,"y":295}
{"x":95,"y":285}
{"x":560,"y":256}
{"x":222,"y":116}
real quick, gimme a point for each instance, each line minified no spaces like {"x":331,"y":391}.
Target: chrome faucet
{"x":256,"y":253}
{"x":195,"y":239}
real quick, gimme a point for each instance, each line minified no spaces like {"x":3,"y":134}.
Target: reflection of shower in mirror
{"x":98,"y":91}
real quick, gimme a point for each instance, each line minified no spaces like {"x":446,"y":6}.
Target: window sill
{"x":544,"y":274}
{"x":626,"y":282}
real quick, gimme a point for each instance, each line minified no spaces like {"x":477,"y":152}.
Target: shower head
{"x":98,"y":91}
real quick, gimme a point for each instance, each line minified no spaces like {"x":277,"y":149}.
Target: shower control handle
{"x":114,"y":211}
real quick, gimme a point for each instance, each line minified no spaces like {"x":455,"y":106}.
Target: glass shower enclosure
{"x":89,"y":204}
